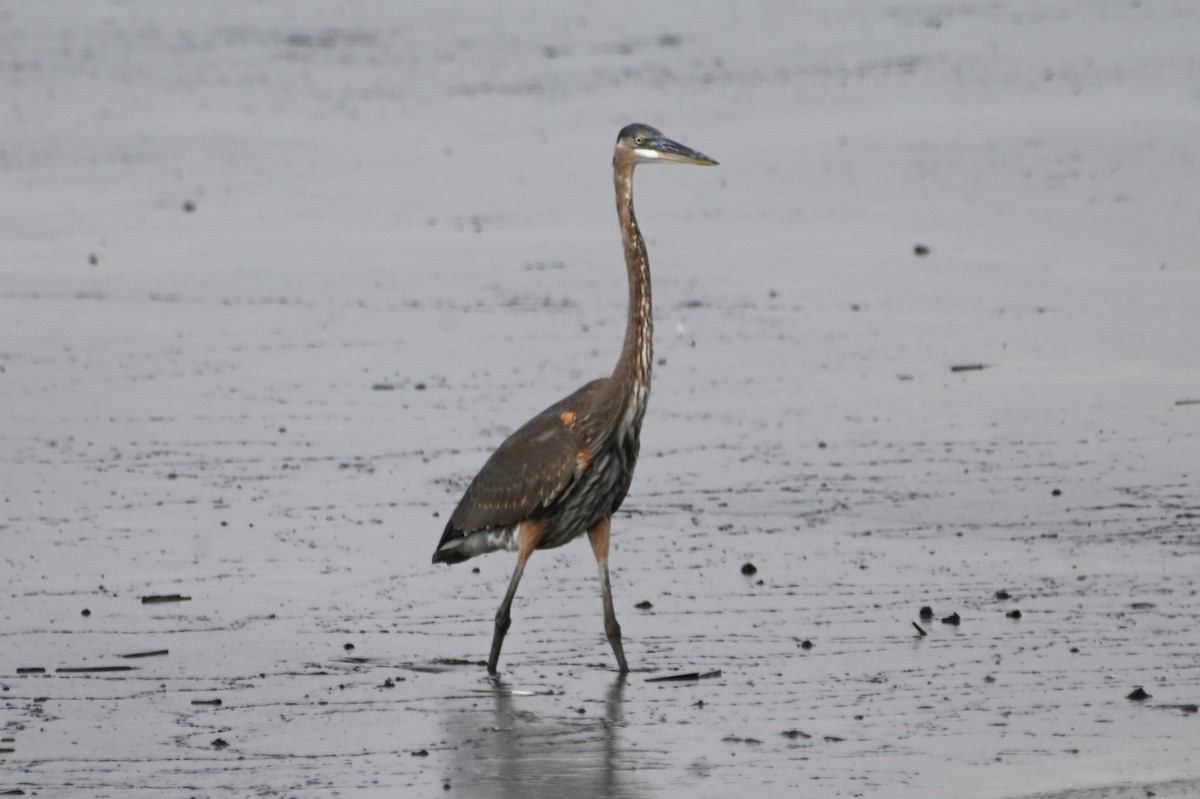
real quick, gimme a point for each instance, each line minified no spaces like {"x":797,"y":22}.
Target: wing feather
{"x":528,"y":472}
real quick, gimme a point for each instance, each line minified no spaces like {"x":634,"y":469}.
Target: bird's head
{"x":648,"y":146}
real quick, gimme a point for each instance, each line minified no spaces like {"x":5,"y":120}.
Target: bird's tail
{"x":450,"y":548}
{"x":457,"y":546}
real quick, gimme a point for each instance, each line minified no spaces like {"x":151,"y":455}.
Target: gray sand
{"x":276,"y":278}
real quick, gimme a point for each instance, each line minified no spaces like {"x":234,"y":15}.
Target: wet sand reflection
{"x":535,"y":742}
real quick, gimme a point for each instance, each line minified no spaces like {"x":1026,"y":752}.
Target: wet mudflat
{"x":276,"y":280}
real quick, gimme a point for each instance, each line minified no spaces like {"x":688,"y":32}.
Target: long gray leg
{"x":598,"y":536}
{"x":503,"y":619}
{"x":528,"y":535}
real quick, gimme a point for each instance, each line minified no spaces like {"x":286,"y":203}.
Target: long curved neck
{"x":633,"y":369}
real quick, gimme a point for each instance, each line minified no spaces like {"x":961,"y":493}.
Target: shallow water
{"x":400,"y":244}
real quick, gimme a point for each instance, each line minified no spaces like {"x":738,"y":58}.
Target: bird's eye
{"x":639,"y":141}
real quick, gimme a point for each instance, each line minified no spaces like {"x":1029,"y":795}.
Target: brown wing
{"x":528,"y":472}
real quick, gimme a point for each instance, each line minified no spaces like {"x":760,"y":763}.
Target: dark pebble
{"x":1002,"y":594}
{"x":348,"y":647}
{"x":1138,"y":694}
{"x":188,"y":206}
{"x":1056,"y":493}
{"x":953,"y":618}
{"x":219,"y":743}
{"x":1013,"y":614}
{"x":421,"y":753}
{"x":926,"y":612}
{"x":643,"y":605}
{"x":806,"y":644}
{"x":85,"y":612}
{"x":920,"y":250}
{"x":748,"y":569}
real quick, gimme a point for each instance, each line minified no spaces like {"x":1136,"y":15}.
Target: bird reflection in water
{"x":532,"y":744}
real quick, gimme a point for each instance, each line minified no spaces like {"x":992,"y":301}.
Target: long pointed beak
{"x":664,"y":149}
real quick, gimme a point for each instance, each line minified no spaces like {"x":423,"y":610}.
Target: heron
{"x":566,"y":471}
